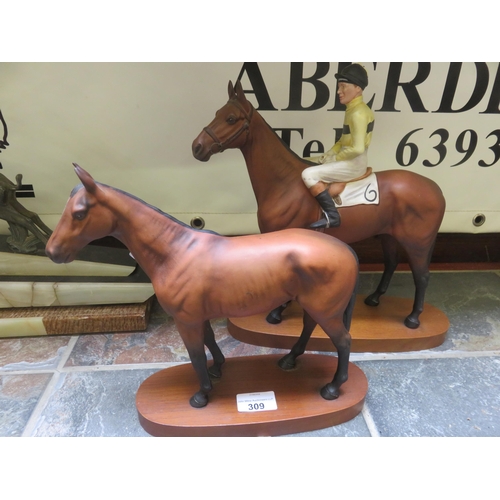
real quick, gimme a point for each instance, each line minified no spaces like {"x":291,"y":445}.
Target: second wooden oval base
{"x":162,"y":400}
{"x":373,"y":329}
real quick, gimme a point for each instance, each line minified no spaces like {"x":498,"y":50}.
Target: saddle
{"x":335,"y":189}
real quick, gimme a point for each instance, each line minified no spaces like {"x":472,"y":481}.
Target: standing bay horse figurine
{"x":410,"y":210}
{"x":199,"y":275}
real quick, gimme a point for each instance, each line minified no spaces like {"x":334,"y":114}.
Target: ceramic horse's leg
{"x":390,"y":249}
{"x":341,"y":339}
{"x":288,"y":362}
{"x":209,"y":340}
{"x":274,"y":317}
{"x":349,"y":311}
{"x":336,"y":330}
{"x":193,"y":338}
{"x":419,"y":265}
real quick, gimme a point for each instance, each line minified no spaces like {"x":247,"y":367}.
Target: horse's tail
{"x":352,"y":301}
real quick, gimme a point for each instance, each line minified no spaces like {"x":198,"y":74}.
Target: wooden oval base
{"x":373,"y":329}
{"x":162,"y":400}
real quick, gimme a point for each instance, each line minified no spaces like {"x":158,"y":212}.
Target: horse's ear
{"x":86,"y":179}
{"x":239,"y":91}
{"x":230,"y":90}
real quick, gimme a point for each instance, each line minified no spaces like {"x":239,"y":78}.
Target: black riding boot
{"x":331,"y":216}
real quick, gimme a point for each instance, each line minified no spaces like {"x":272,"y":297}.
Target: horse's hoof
{"x":329,"y":393}
{"x":215,"y":372}
{"x":198,"y":400}
{"x":412,"y":323}
{"x":286,"y":363}
{"x":274,"y":318}
{"x":372,"y":301}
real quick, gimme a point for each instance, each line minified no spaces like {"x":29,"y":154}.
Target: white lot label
{"x":256,"y":401}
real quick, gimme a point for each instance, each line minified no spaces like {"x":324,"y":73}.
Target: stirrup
{"x":325,"y":216}
{"x":325,"y":223}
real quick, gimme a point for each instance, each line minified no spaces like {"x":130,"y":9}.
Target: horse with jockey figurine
{"x":408,"y":212}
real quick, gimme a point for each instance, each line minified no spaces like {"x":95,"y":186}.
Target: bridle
{"x":222,"y":146}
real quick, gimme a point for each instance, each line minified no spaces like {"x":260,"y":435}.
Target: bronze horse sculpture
{"x":200,"y":275}
{"x":410,"y":211}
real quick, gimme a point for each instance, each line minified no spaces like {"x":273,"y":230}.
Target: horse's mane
{"x":156,"y":209}
{"x":306,"y":163}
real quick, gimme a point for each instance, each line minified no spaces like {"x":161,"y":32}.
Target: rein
{"x":222,"y":146}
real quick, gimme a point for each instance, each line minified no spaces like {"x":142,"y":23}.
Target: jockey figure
{"x":347,"y":159}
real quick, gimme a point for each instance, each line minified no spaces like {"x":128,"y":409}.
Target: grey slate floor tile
{"x":94,"y":404}
{"x":435,"y":397}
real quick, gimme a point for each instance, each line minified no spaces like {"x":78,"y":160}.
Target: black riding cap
{"x":354,"y":73}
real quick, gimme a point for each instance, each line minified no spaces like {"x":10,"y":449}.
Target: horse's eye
{"x":80,"y":215}
{"x":231,"y":119}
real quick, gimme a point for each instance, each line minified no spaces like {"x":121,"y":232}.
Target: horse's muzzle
{"x":57,"y":256}
{"x":200,"y":152}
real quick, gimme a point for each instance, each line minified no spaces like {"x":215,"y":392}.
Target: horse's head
{"x":84,"y":219}
{"x":229,"y":128}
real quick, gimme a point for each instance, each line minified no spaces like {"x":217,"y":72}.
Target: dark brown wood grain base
{"x":162,"y":400}
{"x":373,"y":329}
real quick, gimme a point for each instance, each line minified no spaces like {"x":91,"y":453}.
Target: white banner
{"x":131,"y":126}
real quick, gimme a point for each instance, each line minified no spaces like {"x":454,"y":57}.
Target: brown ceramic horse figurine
{"x":410,"y":211}
{"x":199,"y":275}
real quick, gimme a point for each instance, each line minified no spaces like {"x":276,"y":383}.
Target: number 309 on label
{"x":256,"y":401}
